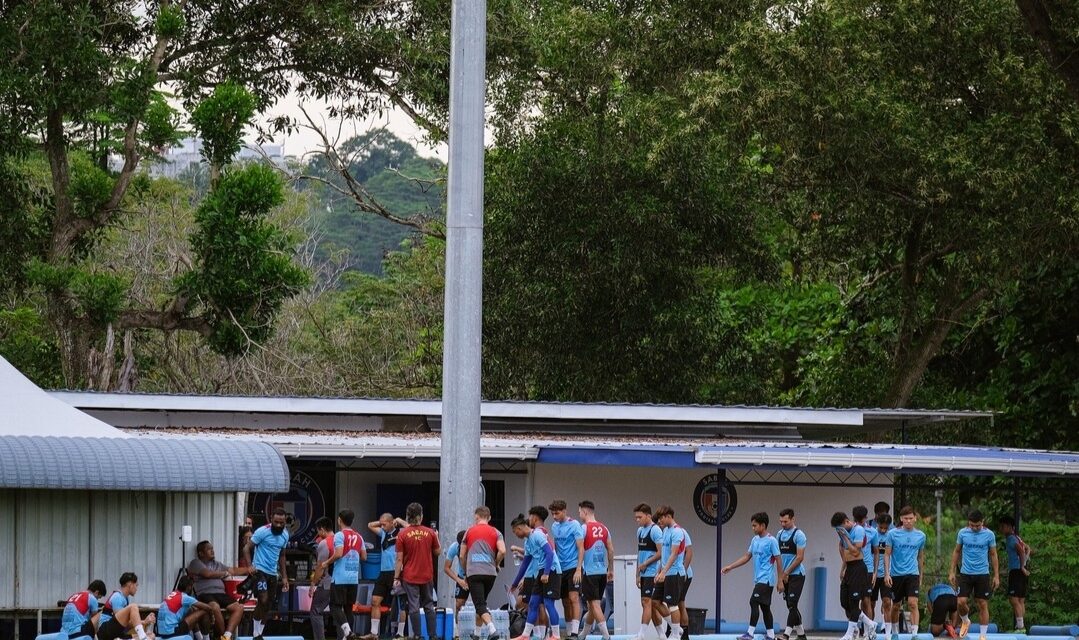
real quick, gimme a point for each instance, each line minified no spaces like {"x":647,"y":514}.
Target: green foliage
{"x":161,"y":124}
{"x":96,"y":297}
{"x":90,"y":187}
{"x":398,"y":179}
{"x":23,"y":219}
{"x":244,"y":269}
{"x":1054,"y":575}
{"x":221,"y":119}
{"x":170,"y":21}
{"x":27,"y":342}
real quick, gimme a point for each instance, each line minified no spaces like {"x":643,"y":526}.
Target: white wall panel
{"x":52,"y":538}
{"x":7,"y":548}
{"x":212,"y":516}
{"x":126,"y":534}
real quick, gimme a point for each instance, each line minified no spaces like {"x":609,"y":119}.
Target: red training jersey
{"x":417,"y":545}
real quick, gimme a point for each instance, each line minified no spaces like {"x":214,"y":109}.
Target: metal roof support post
{"x":459,"y":474}
{"x":1017,"y":501}
{"x":903,"y":476}
{"x":721,"y":508}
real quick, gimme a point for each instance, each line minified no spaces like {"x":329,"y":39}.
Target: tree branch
{"x":1062,"y":56}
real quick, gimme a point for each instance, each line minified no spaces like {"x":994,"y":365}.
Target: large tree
{"x":922,"y":155}
{"x":80,"y":81}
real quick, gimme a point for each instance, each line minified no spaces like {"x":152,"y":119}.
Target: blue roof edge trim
{"x":665,"y":458}
{"x":141,"y":464}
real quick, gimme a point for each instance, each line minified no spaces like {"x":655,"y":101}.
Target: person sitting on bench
{"x":119,"y":616}
{"x":81,"y":611}
{"x":180,"y":612}
{"x":209,"y":576}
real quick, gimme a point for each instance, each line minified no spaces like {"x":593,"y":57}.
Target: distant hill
{"x":396,"y":176}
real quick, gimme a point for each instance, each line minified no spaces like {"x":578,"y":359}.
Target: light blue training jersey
{"x":649,"y":540}
{"x":268,"y":549}
{"x":765,"y":553}
{"x":976,"y":549}
{"x":792,"y":537}
{"x":566,"y":534}
{"x":906,"y":546}
{"x":674,"y":543}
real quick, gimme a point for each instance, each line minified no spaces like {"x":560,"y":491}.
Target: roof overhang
{"x":140,"y":464}
{"x":895,"y":459}
{"x":373,"y":414}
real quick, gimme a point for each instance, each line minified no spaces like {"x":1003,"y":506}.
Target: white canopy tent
{"x":26,"y":410}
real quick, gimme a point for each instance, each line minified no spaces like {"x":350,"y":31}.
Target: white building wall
{"x":52,"y":546}
{"x":53,"y":543}
{"x":616,"y":490}
{"x":7,"y":549}
{"x":356,"y":490}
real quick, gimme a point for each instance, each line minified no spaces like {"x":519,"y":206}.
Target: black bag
{"x":517,"y":623}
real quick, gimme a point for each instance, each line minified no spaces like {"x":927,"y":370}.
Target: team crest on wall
{"x":709,"y":495}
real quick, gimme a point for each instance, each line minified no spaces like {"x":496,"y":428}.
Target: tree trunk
{"x":1061,"y":54}
{"x":910,"y":368}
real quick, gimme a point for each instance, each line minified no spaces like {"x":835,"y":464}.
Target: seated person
{"x":209,"y":576}
{"x":180,"y":611}
{"x":80,"y":611}
{"x":943,"y":608}
{"x":120,"y":616}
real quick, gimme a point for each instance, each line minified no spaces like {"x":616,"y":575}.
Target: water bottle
{"x":466,"y":620}
{"x":501,"y":618}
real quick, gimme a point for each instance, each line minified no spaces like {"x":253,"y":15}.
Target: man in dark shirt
{"x":209,"y":577}
{"x":417,"y":548}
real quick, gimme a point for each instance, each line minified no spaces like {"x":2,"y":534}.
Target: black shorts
{"x":180,"y":630}
{"x":792,"y":590}
{"x":673,"y":590}
{"x":264,"y":583}
{"x":881,"y":590}
{"x":86,"y":630}
{"x":856,"y":577}
{"x":568,"y":585}
{"x":383,"y":585}
{"x":111,"y":629}
{"x":222,"y":599}
{"x":904,"y":587}
{"x":527,"y":586}
{"x":460,"y":593}
{"x":943,"y":607}
{"x":648,"y":587}
{"x":685,"y":588}
{"x":552,"y":589}
{"x":343,"y":595}
{"x":658,"y":591}
{"x":592,"y":587}
{"x":480,"y":588}
{"x":976,"y":587}
{"x":762,"y":594}
{"x":1018,"y":583}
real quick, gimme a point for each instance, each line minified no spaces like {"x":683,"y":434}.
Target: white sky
{"x":305,"y":140}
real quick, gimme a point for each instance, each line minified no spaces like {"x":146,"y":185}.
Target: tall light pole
{"x":459,"y":475}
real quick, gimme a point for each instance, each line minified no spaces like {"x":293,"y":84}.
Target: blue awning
{"x":629,"y":456}
{"x":140,"y":464}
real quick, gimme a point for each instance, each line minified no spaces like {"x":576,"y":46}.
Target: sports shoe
{"x":964,"y":628}
{"x":783,"y":636}
{"x":847,"y":636}
{"x":369,"y":636}
{"x":493,"y":636}
{"x":522,"y":637}
{"x":871,"y":631}
{"x":746,"y":636}
{"x":950,"y":630}
{"x":802,"y":637}
{"x":555,"y":635}
{"x":895,"y":635}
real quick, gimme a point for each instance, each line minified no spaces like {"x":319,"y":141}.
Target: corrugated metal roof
{"x":134,"y":464}
{"x":736,"y":421}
